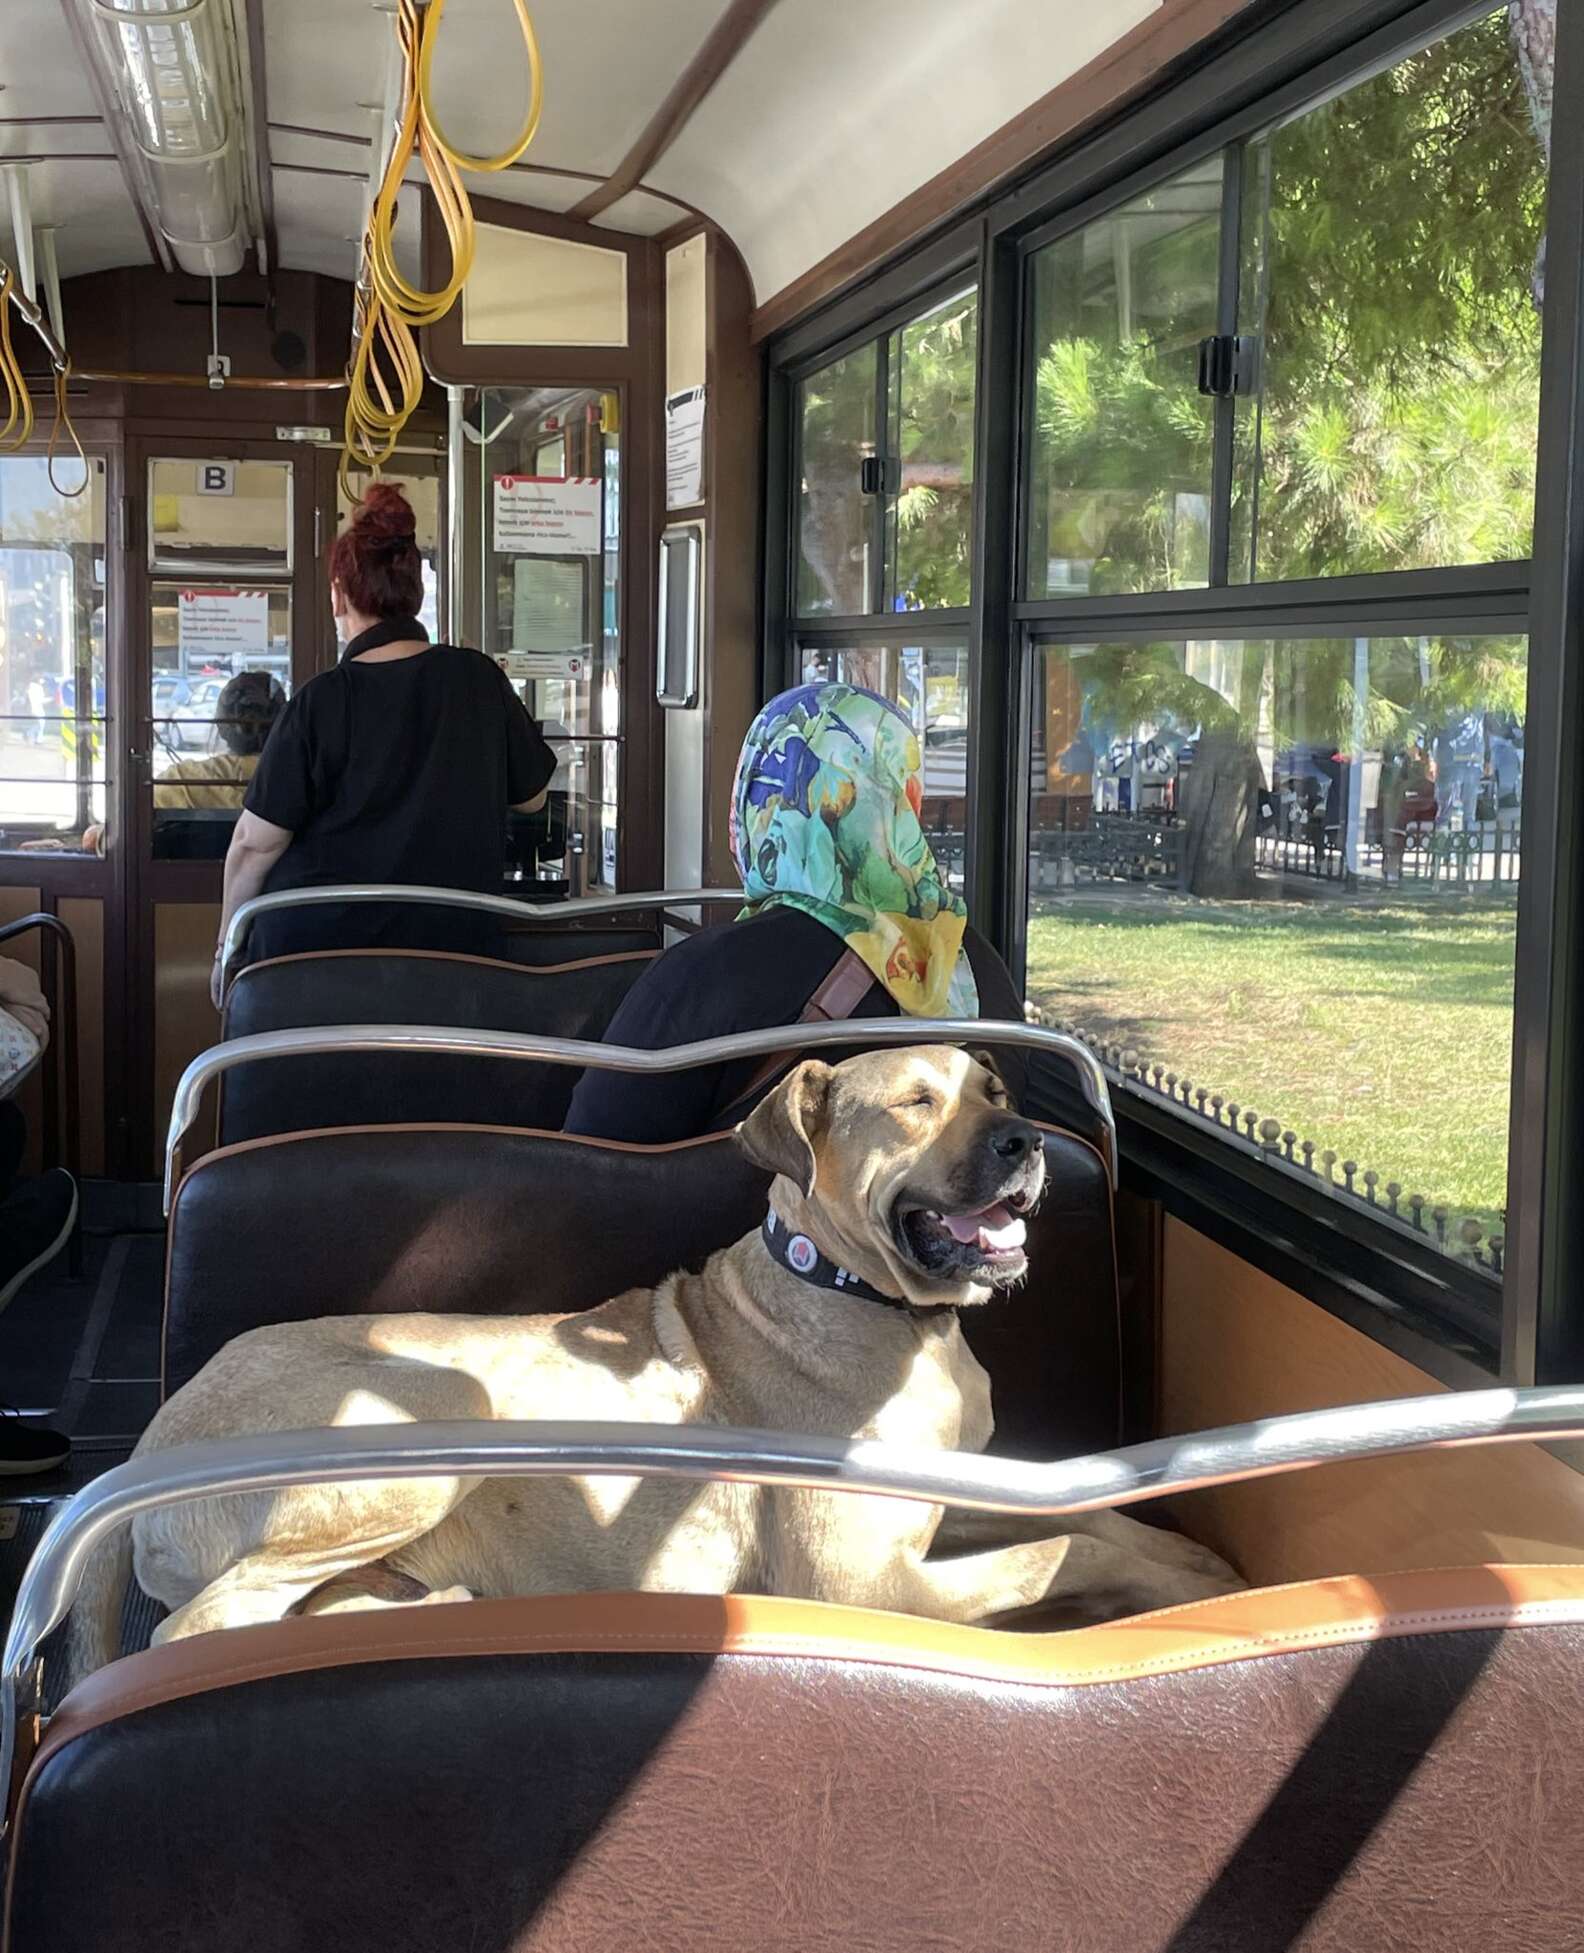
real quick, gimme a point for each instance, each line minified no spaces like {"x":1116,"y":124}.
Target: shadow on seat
{"x":1334,"y":1766}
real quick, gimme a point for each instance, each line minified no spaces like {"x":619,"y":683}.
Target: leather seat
{"x":575,"y":999}
{"x":1340,"y":1765}
{"x":474,"y":1220}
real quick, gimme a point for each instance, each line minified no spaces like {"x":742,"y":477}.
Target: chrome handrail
{"x":311,"y":1040}
{"x":505,"y":906}
{"x":960,"y":1480}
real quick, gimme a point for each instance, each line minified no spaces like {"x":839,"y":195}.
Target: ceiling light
{"x":172,"y":68}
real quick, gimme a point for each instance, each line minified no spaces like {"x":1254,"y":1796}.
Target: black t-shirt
{"x":739,"y":976}
{"x":395,"y":770}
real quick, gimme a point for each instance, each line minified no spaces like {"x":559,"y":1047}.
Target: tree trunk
{"x":1220,"y":812}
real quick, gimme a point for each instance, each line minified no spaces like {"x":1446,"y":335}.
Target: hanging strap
{"x":838,"y":996}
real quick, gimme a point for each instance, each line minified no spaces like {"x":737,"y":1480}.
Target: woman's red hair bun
{"x":375,"y":558}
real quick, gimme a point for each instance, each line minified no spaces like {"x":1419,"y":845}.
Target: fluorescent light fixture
{"x":172,"y":67}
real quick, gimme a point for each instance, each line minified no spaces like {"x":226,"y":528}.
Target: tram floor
{"x":81,"y":1355}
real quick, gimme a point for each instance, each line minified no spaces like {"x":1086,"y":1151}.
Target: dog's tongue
{"x":996,"y":1229}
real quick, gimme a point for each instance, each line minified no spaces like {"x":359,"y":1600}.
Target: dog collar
{"x":798,"y":1255}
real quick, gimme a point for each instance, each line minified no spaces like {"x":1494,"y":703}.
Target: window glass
{"x":54,"y":732}
{"x":836,"y":537}
{"x":204,"y":754}
{"x":1390,"y":264}
{"x":552,"y":607}
{"x":216,"y":512}
{"x":1121,"y":442}
{"x":930,"y":684}
{"x":1278,"y":881}
{"x":929,"y":509}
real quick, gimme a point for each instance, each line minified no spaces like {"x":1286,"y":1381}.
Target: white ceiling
{"x":832,"y":112}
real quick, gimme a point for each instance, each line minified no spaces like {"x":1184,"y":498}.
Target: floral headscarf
{"x":825,"y":818}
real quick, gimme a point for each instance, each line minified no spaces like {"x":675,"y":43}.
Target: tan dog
{"x":907,"y":1168}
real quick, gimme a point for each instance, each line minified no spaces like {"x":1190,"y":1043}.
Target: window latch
{"x":880,"y":474}
{"x":1229,"y":364}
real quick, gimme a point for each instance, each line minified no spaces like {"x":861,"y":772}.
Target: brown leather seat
{"x":1343,"y":1765}
{"x":574,"y":999}
{"x":474,"y":1220}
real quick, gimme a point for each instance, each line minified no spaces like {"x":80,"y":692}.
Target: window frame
{"x":1250,"y":76}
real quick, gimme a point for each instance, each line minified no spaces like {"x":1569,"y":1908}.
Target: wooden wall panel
{"x":84,"y":917}
{"x":185,"y":1022}
{"x":1236,"y":1345}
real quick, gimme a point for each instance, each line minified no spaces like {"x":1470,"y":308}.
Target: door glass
{"x":1120,"y":471}
{"x":552,"y":608}
{"x":1278,"y":881}
{"x":222,"y":673}
{"x":929,"y":511}
{"x":930,"y":684}
{"x":53,"y":733}
{"x":836,"y":532}
{"x":221,"y":513}
{"x":423,"y":492}
{"x":1392,"y":252}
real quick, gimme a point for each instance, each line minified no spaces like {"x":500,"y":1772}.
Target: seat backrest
{"x":1337,"y":1766}
{"x":574,"y":999}
{"x":471,"y":1220}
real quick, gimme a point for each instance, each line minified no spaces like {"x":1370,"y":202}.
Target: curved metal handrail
{"x":962,"y":1481}
{"x":460,"y":1041}
{"x":505,"y":906}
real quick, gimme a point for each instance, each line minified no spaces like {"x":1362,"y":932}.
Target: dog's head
{"x":910,"y":1167}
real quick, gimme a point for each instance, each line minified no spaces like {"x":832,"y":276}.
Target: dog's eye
{"x":918,"y":1102}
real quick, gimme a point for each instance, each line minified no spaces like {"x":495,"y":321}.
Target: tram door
{"x":223,"y":580}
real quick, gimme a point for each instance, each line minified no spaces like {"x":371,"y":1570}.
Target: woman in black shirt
{"x":398,"y":766}
{"x":847,"y":915}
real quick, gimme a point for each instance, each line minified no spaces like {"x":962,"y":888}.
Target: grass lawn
{"x":1380,"y":1028}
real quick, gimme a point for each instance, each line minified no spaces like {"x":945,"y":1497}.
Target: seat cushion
{"x":1343,"y":1765}
{"x":574,"y":999}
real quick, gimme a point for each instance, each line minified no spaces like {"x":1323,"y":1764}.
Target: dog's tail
{"x":93,"y":1629}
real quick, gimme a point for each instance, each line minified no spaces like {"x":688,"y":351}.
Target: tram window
{"x":54,"y":735}
{"x":885,"y":460}
{"x":930,"y":684}
{"x":552,"y":608}
{"x":1391,"y":253}
{"x":221,"y":514}
{"x":203,"y":636}
{"x":1278,"y":881}
{"x":423,"y":493}
{"x":1120,"y":474}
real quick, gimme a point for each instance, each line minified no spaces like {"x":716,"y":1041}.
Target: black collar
{"x":798,"y":1255}
{"x":390,"y":630}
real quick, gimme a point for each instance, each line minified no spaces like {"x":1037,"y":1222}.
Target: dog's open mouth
{"x":988,"y":1242}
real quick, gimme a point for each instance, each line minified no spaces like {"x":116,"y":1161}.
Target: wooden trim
{"x":721,"y":47}
{"x":1115,"y":76}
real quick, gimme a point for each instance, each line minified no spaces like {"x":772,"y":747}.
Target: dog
{"x":902,"y":1183}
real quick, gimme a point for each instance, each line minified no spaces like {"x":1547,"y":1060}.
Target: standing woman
{"x":397,"y":766}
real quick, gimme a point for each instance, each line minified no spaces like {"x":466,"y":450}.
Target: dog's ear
{"x":992,"y":1064}
{"x":779,"y":1133}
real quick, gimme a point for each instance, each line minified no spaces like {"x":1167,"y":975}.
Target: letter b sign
{"x":216,"y":477}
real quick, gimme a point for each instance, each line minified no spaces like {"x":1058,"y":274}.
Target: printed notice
{"x":685,"y":448}
{"x":546,"y":515}
{"x":222,"y":623}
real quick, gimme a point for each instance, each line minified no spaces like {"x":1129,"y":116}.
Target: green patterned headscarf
{"x":825,"y":818}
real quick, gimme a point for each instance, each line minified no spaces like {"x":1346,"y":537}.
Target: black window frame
{"x":1273,"y":61}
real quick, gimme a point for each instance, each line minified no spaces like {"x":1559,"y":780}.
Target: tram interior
{"x":1171,"y":409}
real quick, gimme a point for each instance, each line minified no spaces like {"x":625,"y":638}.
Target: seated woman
{"x":847,"y":915}
{"x":246,"y":710}
{"x":397,"y":766}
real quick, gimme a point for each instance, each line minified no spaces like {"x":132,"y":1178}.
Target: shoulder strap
{"x":839,"y":995}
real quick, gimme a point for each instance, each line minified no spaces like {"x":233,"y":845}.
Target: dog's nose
{"x":1013,"y":1141}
